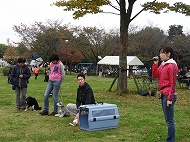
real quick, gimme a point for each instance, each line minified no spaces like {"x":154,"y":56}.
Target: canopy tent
{"x":114,"y":60}
{"x":36,"y":62}
{"x":3,"y":63}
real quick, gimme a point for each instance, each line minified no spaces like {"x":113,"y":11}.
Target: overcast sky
{"x":15,"y":12}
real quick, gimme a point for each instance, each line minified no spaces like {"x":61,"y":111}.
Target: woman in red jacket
{"x":166,"y":73}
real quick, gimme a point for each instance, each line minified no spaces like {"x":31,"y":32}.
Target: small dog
{"x":63,"y":112}
{"x":32,"y":102}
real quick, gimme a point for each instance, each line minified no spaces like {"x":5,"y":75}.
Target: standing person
{"x":32,"y":68}
{"x":100,"y":70}
{"x":166,"y":74}
{"x":46,"y":74}
{"x":55,"y":79}
{"x":19,"y":80}
{"x":84,"y":95}
{"x":35,"y":71}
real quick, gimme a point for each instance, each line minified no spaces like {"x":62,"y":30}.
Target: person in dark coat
{"x":84,"y":96}
{"x":19,"y":80}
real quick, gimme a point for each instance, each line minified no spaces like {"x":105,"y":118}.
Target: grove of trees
{"x":87,"y":43}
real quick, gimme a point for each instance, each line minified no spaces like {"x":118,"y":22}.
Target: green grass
{"x":141,"y":118}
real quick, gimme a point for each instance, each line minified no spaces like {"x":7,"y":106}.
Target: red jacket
{"x":167,"y":75}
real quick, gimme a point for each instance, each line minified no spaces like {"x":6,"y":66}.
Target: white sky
{"x":15,"y":12}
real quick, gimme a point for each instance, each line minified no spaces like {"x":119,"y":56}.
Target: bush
{"x":6,"y":70}
{"x":41,"y":71}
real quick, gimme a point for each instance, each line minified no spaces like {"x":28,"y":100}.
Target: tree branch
{"x":143,"y":10}
{"x":114,"y":6}
{"x":111,"y":13}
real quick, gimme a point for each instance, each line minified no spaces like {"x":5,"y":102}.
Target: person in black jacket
{"x":84,"y":95}
{"x":183,"y":77}
{"x":19,"y":80}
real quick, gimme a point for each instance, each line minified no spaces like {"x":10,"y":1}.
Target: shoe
{"x":52,"y":114}
{"x":44,"y":112}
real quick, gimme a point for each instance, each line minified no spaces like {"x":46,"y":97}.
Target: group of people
{"x":20,"y":75}
{"x":35,"y":72}
{"x":166,"y":72}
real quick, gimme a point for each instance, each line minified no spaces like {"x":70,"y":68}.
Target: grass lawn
{"x":141,"y":118}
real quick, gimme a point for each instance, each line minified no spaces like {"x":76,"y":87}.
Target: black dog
{"x":32,"y":102}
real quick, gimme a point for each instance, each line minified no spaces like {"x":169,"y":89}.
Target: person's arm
{"x":27,"y":74}
{"x":172,"y":77}
{"x":89,"y":96}
{"x":62,"y":71}
{"x":12,"y":75}
{"x":77,"y":103}
{"x":77,"y":100}
{"x":155,"y":71}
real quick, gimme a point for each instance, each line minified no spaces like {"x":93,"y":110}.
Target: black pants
{"x":46,"y":78}
{"x":36,"y":75}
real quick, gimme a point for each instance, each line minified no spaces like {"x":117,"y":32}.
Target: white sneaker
{"x":57,"y":114}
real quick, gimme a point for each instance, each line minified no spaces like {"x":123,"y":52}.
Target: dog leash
{"x":61,"y":94}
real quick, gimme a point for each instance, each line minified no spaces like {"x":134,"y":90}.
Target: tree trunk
{"x":125,"y":19}
{"x":124,"y":22}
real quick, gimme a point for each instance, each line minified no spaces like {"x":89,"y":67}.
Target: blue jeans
{"x":55,"y":86}
{"x":169,"y":117}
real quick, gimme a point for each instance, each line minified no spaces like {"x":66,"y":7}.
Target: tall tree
{"x":3,"y":47}
{"x":22,"y":49}
{"x":94,"y":42}
{"x":146,"y":42}
{"x":175,"y":30}
{"x":42,"y":39}
{"x":82,"y":7}
{"x":11,"y":54}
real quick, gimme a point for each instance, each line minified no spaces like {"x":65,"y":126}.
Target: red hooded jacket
{"x":167,"y":75}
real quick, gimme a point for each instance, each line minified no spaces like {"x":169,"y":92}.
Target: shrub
{"x":6,"y":70}
{"x":41,"y":71}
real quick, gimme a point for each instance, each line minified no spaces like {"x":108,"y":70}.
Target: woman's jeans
{"x":169,"y":117}
{"x":55,"y":86}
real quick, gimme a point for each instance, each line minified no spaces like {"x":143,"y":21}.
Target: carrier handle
{"x":99,"y":103}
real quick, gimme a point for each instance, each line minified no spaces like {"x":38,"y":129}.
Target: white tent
{"x":36,"y":62}
{"x":3,"y":63}
{"x":114,"y":60}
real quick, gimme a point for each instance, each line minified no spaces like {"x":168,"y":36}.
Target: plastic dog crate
{"x":98,"y":117}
